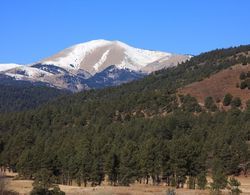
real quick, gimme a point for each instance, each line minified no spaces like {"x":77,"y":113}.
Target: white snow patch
{"x":138,"y":58}
{"x":27,"y":72}
{"x":102,"y":60}
{"x":16,"y":76}
{"x":5,"y":67}
{"x":134,"y":58}
{"x":77,"y":53}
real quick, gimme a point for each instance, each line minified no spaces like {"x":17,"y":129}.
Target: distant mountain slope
{"x":113,"y":76}
{"x":73,"y":67}
{"x":20,"y":96}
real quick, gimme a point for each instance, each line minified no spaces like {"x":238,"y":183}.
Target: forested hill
{"x":133,"y":132}
{"x":155,"y":94}
{"x":21,"y":96}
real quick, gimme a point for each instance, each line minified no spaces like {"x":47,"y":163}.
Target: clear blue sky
{"x":33,"y":29}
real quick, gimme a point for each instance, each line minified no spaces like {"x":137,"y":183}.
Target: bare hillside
{"x":219,"y":84}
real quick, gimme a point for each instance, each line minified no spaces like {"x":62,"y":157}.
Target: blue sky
{"x":34,"y":29}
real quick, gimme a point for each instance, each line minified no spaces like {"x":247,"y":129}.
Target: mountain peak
{"x":96,"y":55}
{"x":71,"y":67}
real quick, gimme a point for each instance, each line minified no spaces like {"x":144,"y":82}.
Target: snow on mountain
{"x":27,"y":72}
{"x":102,"y":60}
{"x":4,"y":67}
{"x":72,"y":57}
{"x":113,"y":76}
{"x":95,"y":56}
{"x":139,"y":57}
{"x":97,"y":63}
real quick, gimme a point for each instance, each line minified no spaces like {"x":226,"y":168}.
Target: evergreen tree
{"x":202,"y":180}
{"x":242,"y":76}
{"x":236,"y":102}
{"x":218,"y":176}
{"x":210,"y":104}
{"x":112,"y":167}
{"x":243,"y":85}
{"x":234,"y":186}
{"x":227,"y":99}
{"x":85,"y":161}
{"x":127,"y":169}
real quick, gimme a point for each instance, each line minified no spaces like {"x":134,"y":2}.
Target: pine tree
{"x":218,"y":176}
{"x":236,"y":102}
{"x":209,"y":104}
{"x":127,"y":169}
{"x":234,"y":186}
{"x":242,"y":76}
{"x":112,"y":167}
{"x":202,"y":180}
{"x":227,"y":99}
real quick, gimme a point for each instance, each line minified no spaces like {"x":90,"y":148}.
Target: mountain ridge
{"x":73,"y":66}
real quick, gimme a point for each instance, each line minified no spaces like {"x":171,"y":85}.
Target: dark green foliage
{"x":248,"y":83}
{"x":38,"y":190}
{"x":189,"y":103}
{"x":24,"y":97}
{"x":227,"y":99}
{"x":242,"y":76}
{"x":43,"y":184}
{"x":137,"y":149}
{"x":210,"y":104}
{"x":112,"y":167}
{"x":202,"y":180}
{"x":234,"y":185}
{"x":236,"y":102}
{"x":243,"y":85}
{"x":218,"y":176}
{"x":127,"y":174}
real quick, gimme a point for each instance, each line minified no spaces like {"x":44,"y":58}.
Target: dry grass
{"x":218,"y":85}
{"x":25,"y":186}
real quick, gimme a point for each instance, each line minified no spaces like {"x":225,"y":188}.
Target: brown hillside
{"x":219,"y":84}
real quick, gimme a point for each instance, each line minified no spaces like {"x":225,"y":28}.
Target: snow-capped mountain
{"x":77,"y":67}
{"x":4,"y":67}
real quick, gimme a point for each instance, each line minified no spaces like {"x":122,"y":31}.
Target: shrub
{"x":227,"y":99}
{"x":209,"y":104}
{"x":39,"y":190}
{"x":243,"y":85}
{"x":234,"y":186}
{"x":242,"y":76}
{"x":247,"y":83}
{"x":190,"y":104}
{"x":236,"y":102}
